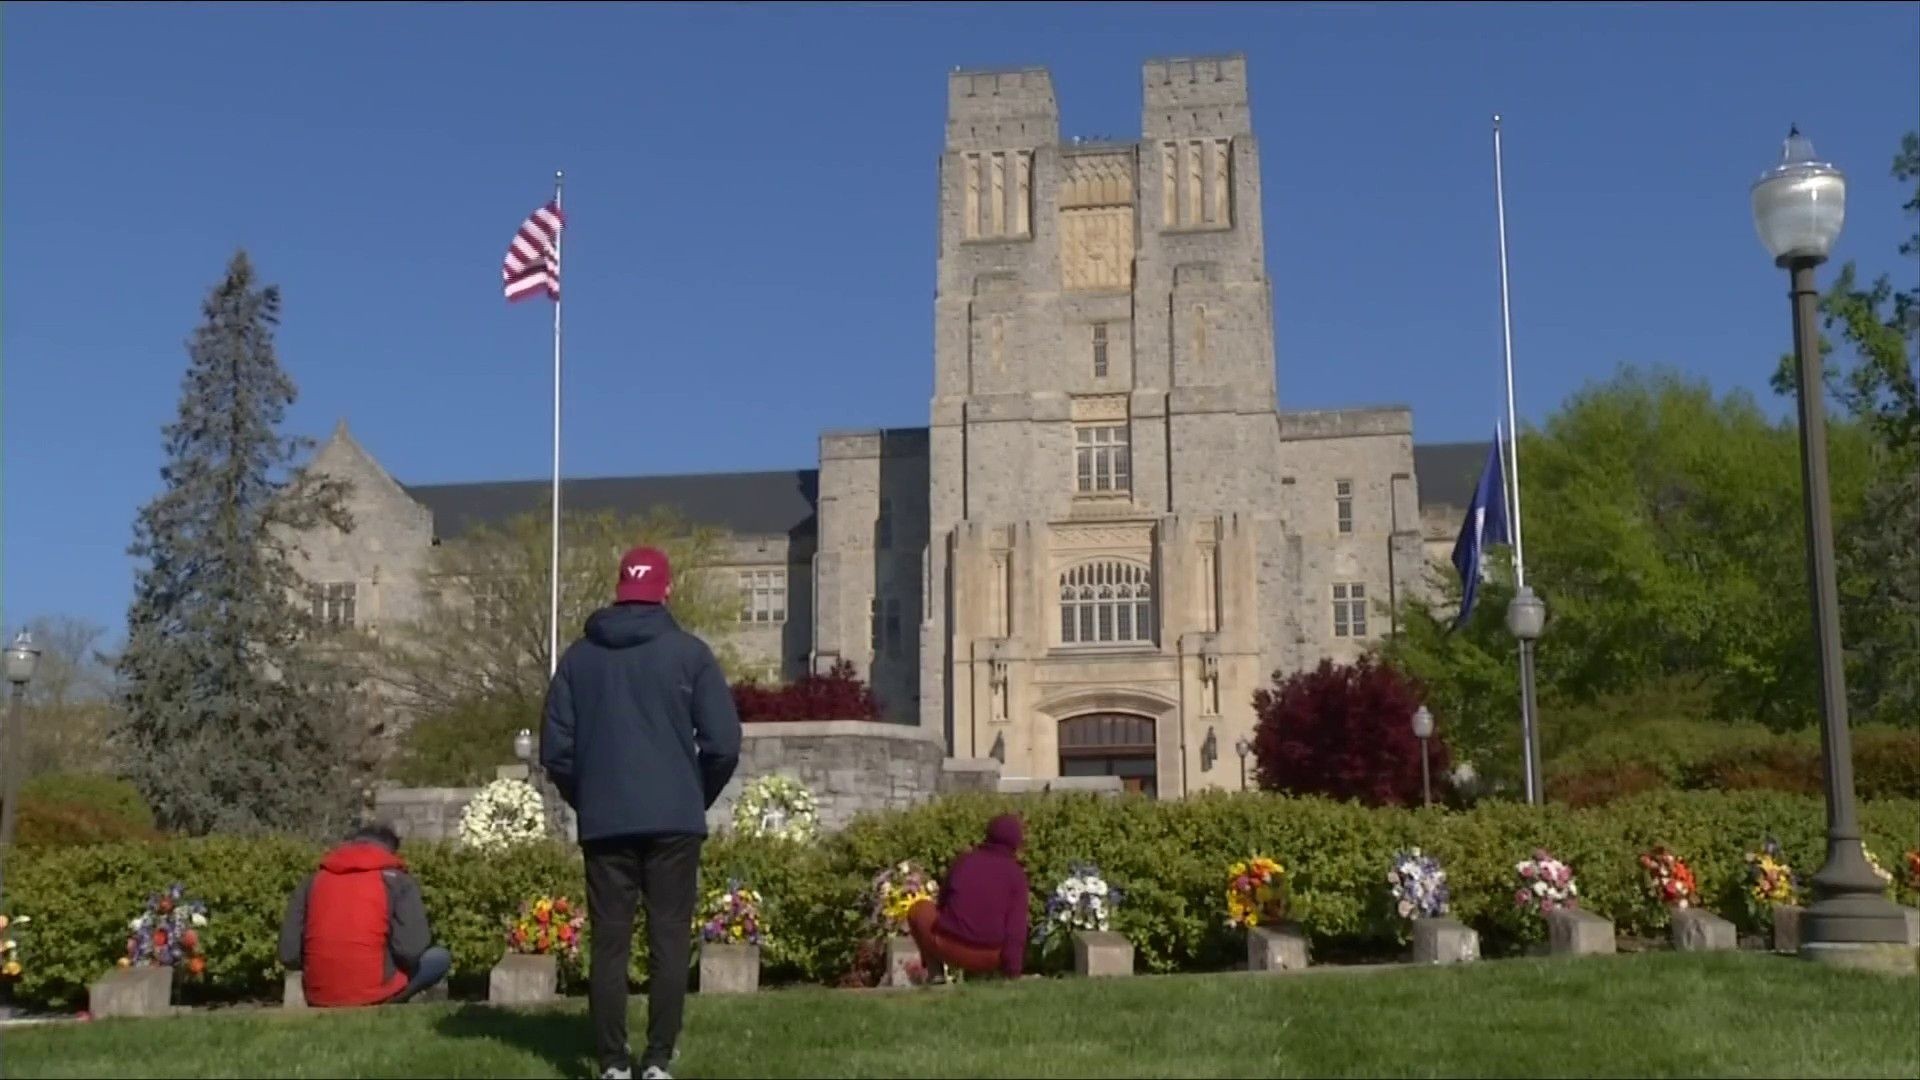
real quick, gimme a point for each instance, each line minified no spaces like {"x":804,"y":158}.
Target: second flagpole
{"x":553,"y":564}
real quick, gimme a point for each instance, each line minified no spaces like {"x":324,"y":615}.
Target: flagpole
{"x":553,"y":563}
{"x":1506,"y":338}
{"x":1525,"y":614}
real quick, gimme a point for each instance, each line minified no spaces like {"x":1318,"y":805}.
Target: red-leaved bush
{"x":1345,"y":732}
{"x":837,"y":695}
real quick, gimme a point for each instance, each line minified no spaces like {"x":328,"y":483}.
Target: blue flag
{"x":1486,"y":524}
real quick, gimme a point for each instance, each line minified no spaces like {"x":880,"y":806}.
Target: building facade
{"x":1108,"y":537}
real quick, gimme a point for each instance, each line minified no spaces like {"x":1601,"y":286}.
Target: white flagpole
{"x":553,"y":567}
{"x":1506,"y":337}
{"x":1524,"y":601}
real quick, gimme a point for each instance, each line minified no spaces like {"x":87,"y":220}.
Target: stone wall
{"x":422,"y":813}
{"x":850,"y":766}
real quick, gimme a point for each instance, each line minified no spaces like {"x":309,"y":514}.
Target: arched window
{"x":1106,"y":603}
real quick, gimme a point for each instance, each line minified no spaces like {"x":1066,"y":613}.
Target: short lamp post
{"x":1526,"y":618}
{"x":1423,"y":730}
{"x":21,"y":661}
{"x":1243,"y":746}
{"x":523,"y":747}
{"x":1798,"y":208}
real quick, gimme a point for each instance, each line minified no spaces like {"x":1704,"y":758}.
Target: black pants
{"x":664,"y":871}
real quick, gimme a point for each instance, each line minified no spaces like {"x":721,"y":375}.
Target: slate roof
{"x":1446,"y":472}
{"x":783,"y":502}
{"x":743,"y":503}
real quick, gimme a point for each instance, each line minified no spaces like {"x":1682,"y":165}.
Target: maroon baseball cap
{"x":644,"y":577}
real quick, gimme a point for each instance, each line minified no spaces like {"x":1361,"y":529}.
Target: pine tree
{"x":236,"y":718}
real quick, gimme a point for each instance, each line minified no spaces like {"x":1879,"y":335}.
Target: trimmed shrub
{"x":1705,"y":756}
{"x":837,"y":695}
{"x":1170,"y":858}
{"x":1344,"y":731}
{"x":70,"y":809}
{"x":95,"y":791}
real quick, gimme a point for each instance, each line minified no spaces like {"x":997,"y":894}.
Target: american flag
{"x":533,"y":259}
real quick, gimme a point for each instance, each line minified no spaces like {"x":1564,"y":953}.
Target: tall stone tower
{"x":1106,"y":465}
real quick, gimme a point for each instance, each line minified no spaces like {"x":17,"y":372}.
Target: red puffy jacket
{"x":346,"y":956}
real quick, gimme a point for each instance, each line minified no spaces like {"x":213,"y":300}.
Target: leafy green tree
{"x":233,"y":718}
{"x":480,"y":644}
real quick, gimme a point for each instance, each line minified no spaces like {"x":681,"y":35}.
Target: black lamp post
{"x":21,"y":661}
{"x":1799,"y":207}
{"x":1243,"y":746}
{"x":1423,"y":730}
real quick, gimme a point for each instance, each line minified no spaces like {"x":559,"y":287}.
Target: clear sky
{"x":751,"y":195}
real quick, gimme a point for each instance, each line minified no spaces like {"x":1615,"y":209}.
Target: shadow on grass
{"x":560,"y":1036}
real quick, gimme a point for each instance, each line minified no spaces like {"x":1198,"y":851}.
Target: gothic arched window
{"x":1108,"y":602}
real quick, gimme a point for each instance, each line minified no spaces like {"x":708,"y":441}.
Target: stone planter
{"x":1786,"y":927}
{"x":132,"y":991}
{"x":293,"y":991}
{"x":729,"y":969}
{"x":520,"y":979}
{"x":1699,"y":930}
{"x":1100,"y":954}
{"x":1444,"y":941}
{"x":903,"y":958}
{"x":1579,"y":932}
{"x":1281,"y":947}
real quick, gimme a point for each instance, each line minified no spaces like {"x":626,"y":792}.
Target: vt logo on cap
{"x":644,"y":577}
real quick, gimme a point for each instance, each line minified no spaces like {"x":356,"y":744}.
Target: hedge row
{"x":1170,"y":858}
{"x":1709,"y":756}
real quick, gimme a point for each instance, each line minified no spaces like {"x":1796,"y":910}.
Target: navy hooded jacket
{"x":640,"y":733}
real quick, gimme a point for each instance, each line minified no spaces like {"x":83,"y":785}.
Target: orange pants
{"x":941,"y":948}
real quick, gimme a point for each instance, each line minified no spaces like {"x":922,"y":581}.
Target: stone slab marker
{"x":1444,"y":941}
{"x":1276,"y":948}
{"x":1699,"y":930}
{"x":293,"y":991}
{"x":437,"y":992}
{"x":1579,"y":932}
{"x":1100,"y":954}
{"x":132,"y":991}
{"x":1913,"y":927}
{"x":1786,"y":927}
{"x":520,"y":979}
{"x":729,"y":969}
{"x":902,"y":955}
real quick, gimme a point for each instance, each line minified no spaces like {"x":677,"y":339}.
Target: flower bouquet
{"x":503,"y":814}
{"x":777,"y":806}
{"x":896,"y":890}
{"x":10,"y":948}
{"x":168,"y":933}
{"x":1256,"y":892}
{"x":1886,"y":879}
{"x":1084,"y":901}
{"x":1669,"y":880}
{"x":732,"y":917}
{"x":1546,"y":885}
{"x":1419,"y":886}
{"x":1913,"y":870}
{"x":1769,"y":881}
{"x":548,"y":926}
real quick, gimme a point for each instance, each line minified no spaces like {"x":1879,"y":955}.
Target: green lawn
{"x":1651,"y":1015}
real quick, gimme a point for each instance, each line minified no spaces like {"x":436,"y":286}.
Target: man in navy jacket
{"x":640,"y":737}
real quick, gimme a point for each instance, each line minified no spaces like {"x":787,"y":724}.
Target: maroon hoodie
{"x":984,"y":902}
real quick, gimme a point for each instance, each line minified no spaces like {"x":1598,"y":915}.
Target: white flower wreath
{"x":504,"y":813}
{"x":777,"y":806}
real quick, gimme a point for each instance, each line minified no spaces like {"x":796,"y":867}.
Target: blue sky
{"x":751,"y":199}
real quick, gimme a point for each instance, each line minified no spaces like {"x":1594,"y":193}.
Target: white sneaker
{"x":616,"y":1074}
{"x":655,"y":1072}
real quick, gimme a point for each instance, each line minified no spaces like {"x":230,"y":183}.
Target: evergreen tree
{"x":236,"y":718}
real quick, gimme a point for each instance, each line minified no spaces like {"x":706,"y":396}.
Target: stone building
{"x":1108,"y":536}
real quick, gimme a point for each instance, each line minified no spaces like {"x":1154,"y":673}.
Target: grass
{"x":1650,"y":1015}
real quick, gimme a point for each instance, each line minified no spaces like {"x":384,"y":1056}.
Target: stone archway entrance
{"x":1111,"y":744}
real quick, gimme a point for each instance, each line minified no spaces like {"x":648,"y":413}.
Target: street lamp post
{"x":1243,"y":747}
{"x":1423,"y":730}
{"x":1526,"y":618}
{"x":22,"y":658}
{"x":1798,"y":209}
{"x":523,"y":747}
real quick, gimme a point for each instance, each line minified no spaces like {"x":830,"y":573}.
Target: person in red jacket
{"x":979,"y":924}
{"x":356,"y":929}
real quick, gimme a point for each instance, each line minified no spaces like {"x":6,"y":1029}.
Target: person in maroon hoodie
{"x":979,"y":924}
{"x":356,"y":929}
